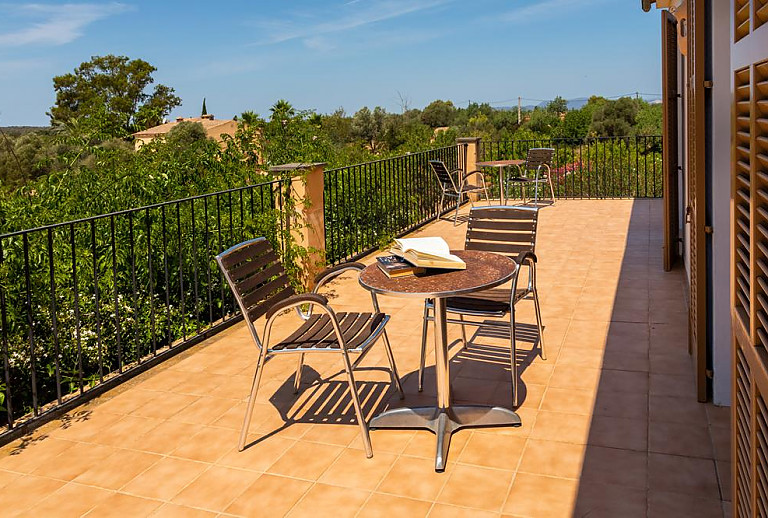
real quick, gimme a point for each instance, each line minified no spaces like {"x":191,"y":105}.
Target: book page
{"x":430,"y":246}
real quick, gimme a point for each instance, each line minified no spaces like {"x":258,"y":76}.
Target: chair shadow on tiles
{"x":328,"y":400}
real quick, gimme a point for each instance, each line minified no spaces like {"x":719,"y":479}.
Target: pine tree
{"x":205,"y":111}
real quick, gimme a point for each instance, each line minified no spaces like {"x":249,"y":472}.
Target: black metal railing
{"x":595,"y":167}
{"x":87,"y":304}
{"x":366,"y":205}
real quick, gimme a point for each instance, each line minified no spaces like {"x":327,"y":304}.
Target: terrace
{"x":611,"y":426}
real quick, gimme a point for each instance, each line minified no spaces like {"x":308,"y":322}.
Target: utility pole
{"x":519,"y":110}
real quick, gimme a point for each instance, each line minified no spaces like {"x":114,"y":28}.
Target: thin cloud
{"x":530,"y":12}
{"x":54,"y":24}
{"x":360,"y":16}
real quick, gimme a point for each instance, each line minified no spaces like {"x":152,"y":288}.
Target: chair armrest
{"x":466,"y":175}
{"x":295,"y":300}
{"x":525,"y":257}
{"x":334,"y":271}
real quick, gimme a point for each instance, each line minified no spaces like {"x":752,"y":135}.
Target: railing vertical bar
{"x":132,"y":245}
{"x":242,"y":218}
{"x":181,"y":273}
{"x":208,"y":261}
{"x":76,"y":292}
{"x":193,"y":231}
{"x":30,"y":322}
{"x":97,"y":299}
{"x":637,"y":172}
{"x":645,"y":163}
{"x":6,"y":357}
{"x":151,"y":288}
{"x":116,"y":288}
{"x":220,"y":249}
{"x":166,"y":277}
{"x":54,"y":317}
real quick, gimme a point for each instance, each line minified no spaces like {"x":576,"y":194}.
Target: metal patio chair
{"x":537,"y":169}
{"x":261,"y":287}
{"x":509,"y":231}
{"x":448,"y":185}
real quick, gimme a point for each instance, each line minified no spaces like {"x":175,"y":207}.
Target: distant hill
{"x":20,"y":130}
{"x":573,"y":104}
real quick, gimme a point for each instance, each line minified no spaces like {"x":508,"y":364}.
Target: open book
{"x":427,"y":252}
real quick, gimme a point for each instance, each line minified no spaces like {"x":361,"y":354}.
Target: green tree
{"x":649,"y":119}
{"x":558,"y":105}
{"x":438,"y":114}
{"x":575,"y":125}
{"x":368,"y":126}
{"x":615,"y":118}
{"x":204,"y":111}
{"x":116,"y":85}
{"x":543,"y":122}
{"x":186,"y":133}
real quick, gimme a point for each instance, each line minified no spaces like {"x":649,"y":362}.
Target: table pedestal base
{"x":444,"y":422}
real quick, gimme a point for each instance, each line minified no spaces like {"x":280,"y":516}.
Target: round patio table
{"x":485,"y":270}
{"x":501,"y":165}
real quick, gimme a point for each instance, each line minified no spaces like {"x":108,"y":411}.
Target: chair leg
{"x":463,"y":331}
{"x":423,"y":347}
{"x":440,"y":210}
{"x":458,"y":205}
{"x":297,"y":379}
{"x":551,"y":189}
{"x":393,"y":367}
{"x":251,"y":401}
{"x":358,"y":409}
{"x":513,"y":358}
{"x":542,"y":353}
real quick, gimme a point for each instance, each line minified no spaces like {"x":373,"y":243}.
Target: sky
{"x":328,"y":54}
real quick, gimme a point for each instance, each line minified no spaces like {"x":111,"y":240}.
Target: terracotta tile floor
{"x":610,"y":422}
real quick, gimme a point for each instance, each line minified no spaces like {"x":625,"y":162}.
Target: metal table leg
{"x":444,"y":419}
{"x":502,"y":197}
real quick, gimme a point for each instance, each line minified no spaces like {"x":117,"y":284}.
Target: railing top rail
{"x":133,"y":210}
{"x":618,"y":137}
{"x":415,"y":153}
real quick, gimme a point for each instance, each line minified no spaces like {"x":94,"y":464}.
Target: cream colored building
{"x":215,"y":129}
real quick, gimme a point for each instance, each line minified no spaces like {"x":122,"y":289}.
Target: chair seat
{"x":358,"y":330}
{"x":484,"y":303}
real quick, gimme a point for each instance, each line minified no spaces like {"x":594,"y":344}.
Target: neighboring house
{"x":215,"y":129}
{"x":715,"y":94}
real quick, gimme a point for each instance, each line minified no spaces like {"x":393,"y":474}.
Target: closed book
{"x":394,"y":266}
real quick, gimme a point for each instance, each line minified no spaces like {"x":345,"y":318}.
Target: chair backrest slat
{"x":505,"y":230}
{"x":264,"y":290}
{"x":244,"y":252}
{"x":539,"y":156}
{"x":256,"y":276}
{"x":257,"y":311}
{"x":443,"y":175}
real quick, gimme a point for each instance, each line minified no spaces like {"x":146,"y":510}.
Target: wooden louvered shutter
{"x":695,"y":211}
{"x":740,"y":19}
{"x":669,"y":96}
{"x":760,"y":13}
{"x":749,"y":62}
{"x":742,"y":195}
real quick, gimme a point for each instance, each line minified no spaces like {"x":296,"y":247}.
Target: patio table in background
{"x":501,"y":165}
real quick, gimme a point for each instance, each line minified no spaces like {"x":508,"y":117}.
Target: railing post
{"x":468,"y":149}
{"x":308,"y":220}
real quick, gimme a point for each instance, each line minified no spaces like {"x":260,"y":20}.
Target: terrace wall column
{"x":468,"y":149}
{"x":308,"y":222}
